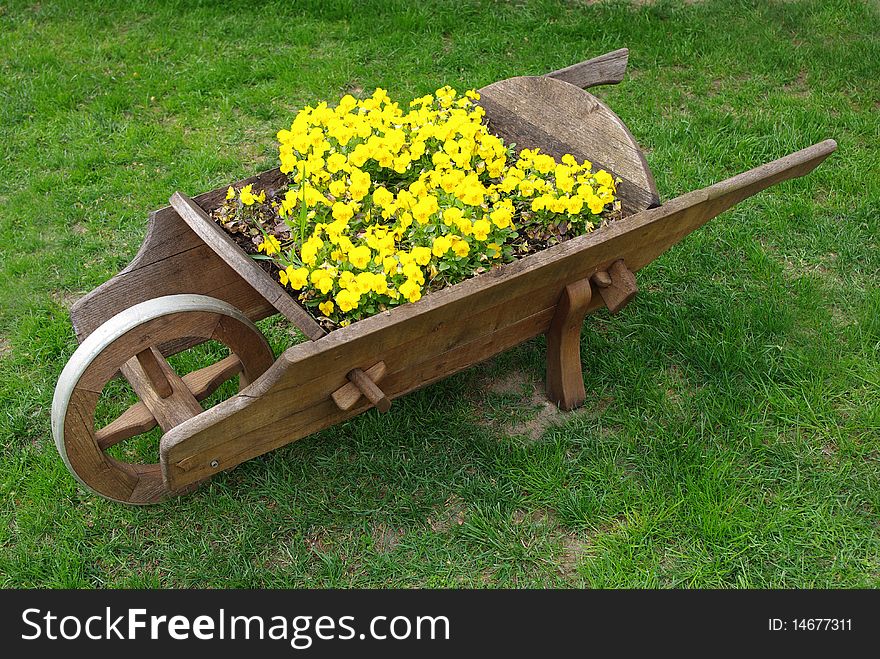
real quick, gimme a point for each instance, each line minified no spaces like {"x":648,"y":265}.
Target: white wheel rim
{"x":95,"y":343}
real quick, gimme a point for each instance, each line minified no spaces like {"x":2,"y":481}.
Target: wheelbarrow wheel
{"x":129,"y":343}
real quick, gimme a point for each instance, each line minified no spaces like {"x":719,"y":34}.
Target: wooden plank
{"x":280,"y":395}
{"x":348,"y":395}
{"x":445,"y":331}
{"x":565,"y":379}
{"x":190,"y":461}
{"x":245,"y":267}
{"x":172,"y":259}
{"x":559,"y":118}
{"x":607,"y":69}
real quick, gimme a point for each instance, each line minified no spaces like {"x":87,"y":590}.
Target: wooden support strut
{"x":565,"y":380}
{"x":199,"y":221}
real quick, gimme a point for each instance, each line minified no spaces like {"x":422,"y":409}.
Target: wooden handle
{"x":607,"y":69}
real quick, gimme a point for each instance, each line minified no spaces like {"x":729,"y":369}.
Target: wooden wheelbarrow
{"x":190,"y":283}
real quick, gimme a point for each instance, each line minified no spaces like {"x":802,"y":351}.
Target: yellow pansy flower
{"x":421,"y":255}
{"x":342,"y":211}
{"x":359,"y":256}
{"x":337,"y":188}
{"x":452,"y":179}
{"x":246,"y":195}
{"x":460,"y":247}
{"x":382,"y":197}
{"x":270,"y":245}
{"x":410,"y":290}
{"x":347,"y":300}
{"x":595,"y":204}
{"x":296,"y":278}
{"x":501,"y":217}
{"x":441,"y":245}
{"x":481,"y":229}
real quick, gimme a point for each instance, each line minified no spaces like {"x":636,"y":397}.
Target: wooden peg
{"x":602,"y":279}
{"x":617,"y":286}
{"x":363,"y":383}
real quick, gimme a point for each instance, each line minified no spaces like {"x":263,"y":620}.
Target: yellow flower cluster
{"x":385,"y":203}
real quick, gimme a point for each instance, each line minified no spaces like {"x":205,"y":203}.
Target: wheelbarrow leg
{"x":565,"y":379}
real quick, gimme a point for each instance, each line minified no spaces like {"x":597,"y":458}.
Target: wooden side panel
{"x":442,"y":333}
{"x":560,"y":118}
{"x":173,"y":259}
{"x":246,"y":268}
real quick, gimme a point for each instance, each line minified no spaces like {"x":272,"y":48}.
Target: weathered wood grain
{"x":172,"y":260}
{"x":245,"y":267}
{"x":607,"y":69}
{"x":559,"y":118}
{"x":256,"y":439}
{"x":443,"y":332}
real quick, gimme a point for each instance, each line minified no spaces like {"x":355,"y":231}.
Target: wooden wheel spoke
{"x":206,"y":381}
{"x":170,"y":410}
{"x":136,"y":420}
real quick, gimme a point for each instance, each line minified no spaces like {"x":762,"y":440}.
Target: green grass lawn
{"x":731,"y":436}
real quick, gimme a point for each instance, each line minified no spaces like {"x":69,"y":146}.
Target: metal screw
{"x":215,"y":463}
